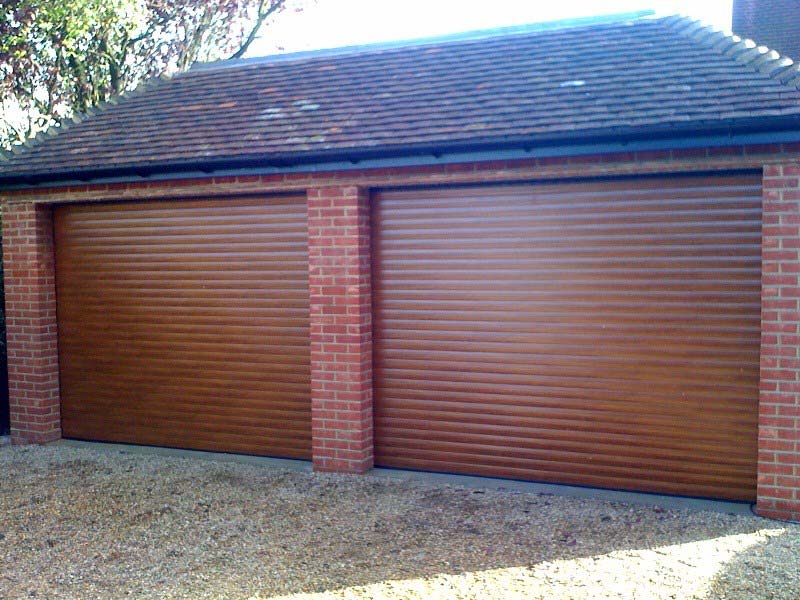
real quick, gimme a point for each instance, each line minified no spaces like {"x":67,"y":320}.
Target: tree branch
{"x":263,"y":15}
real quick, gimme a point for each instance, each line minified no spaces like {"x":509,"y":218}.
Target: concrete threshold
{"x":288,"y":464}
{"x":571,"y":491}
{"x":469,"y":481}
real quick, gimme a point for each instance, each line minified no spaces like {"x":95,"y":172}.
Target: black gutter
{"x":780,"y":129}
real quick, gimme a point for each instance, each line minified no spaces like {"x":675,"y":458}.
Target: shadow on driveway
{"x":85,"y":523}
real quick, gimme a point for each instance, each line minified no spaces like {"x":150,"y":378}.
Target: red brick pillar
{"x":341,"y":328}
{"x":31,"y":327}
{"x":779,"y":406}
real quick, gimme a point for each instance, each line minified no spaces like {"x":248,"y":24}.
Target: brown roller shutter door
{"x":185,"y":324}
{"x":600,"y":333}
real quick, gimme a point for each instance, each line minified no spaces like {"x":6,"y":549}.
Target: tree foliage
{"x":61,"y":58}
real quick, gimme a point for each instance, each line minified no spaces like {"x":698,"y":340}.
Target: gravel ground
{"x":87,"y":523}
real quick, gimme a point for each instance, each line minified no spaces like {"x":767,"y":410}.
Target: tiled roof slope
{"x":612,"y":79}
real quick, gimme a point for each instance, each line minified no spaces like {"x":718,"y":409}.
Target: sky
{"x":335,"y":23}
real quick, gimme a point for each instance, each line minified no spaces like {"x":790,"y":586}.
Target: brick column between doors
{"x":779,"y":405}
{"x":341,"y":328}
{"x":31,"y":327}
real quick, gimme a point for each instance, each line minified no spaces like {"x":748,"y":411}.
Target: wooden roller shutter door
{"x":186,"y":324}
{"x":601,"y":333}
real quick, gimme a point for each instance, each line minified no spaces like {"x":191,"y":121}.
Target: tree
{"x":62,"y":58}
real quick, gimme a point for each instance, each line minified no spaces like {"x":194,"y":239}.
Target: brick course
{"x":339,"y":280}
{"x":31,"y":327}
{"x":341,"y":328}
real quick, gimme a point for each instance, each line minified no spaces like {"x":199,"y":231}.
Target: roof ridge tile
{"x":790,"y":72}
{"x":672,"y":19}
{"x":692,"y":26}
{"x":724,"y":43}
{"x":484,"y":35}
{"x":745,"y":51}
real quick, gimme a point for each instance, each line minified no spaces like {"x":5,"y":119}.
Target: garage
{"x":598,"y":333}
{"x":526,"y":254}
{"x":185,"y":324}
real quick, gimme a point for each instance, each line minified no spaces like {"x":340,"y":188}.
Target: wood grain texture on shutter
{"x":601,"y":333}
{"x":186,"y":324}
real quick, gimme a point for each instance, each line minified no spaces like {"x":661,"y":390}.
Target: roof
{"x":523,"y":87}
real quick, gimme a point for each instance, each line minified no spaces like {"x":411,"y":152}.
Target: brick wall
{"x":779,"y":403}
{"x":31,"y":323}
{"x":341,"y":328}
{"x":339,"y":280}
{"x":772,"y":23}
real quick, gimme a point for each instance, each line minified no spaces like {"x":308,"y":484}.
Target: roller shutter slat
{"x":599,"y":333}
{"x":185,"y":324}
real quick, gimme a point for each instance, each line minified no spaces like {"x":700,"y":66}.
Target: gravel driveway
{"x":87,"y":523}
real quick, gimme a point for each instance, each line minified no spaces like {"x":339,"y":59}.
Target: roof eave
{"x":779,"y":129}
